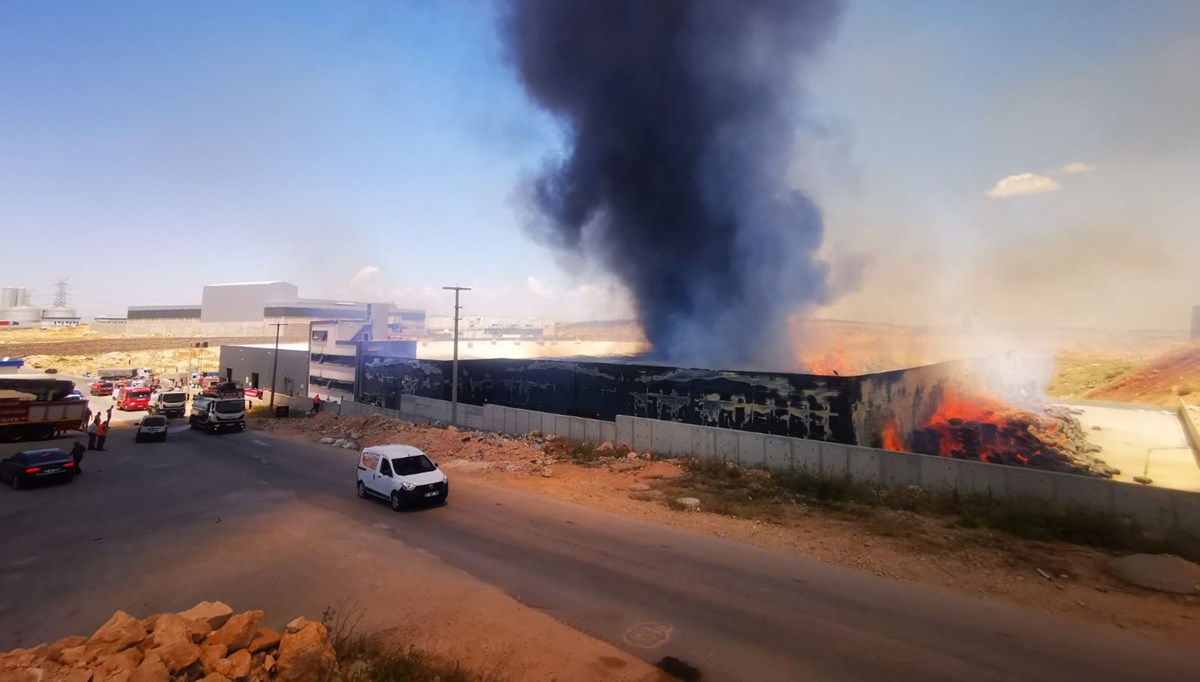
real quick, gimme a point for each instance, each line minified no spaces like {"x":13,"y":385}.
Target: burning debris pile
{"x":987,"y":430}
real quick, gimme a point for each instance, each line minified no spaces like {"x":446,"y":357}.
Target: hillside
{"x":1163,"y":381}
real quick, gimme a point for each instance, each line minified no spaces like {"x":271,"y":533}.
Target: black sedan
{"x":26,"y":468}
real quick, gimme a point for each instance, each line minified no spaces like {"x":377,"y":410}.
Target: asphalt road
{"x":733,"y":611}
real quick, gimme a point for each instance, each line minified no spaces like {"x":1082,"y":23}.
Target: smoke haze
{"x":679,"y":120}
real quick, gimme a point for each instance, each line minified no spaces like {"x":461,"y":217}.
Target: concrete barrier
{"x":1190,"y":429}
{"x":1151,"y":506}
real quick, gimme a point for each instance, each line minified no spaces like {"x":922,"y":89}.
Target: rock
{"x":1161,"y":572}
{"x":170,"y":628}
{"x":125,"y":662}
{"x":237,"y":666}
{"x":631,"y":455}
{"x":605,"y":447}
{"x":54,"y":650}
{"x":265,"y":639}
{"x":546,"y":473}
{"x":536,"y":433}
{"x":211,"y":655}
{"x":340,"y":442}
{"x":306,"y":655}
{"x":690,"y":503}
{"x":238,"y":631}
{"x":297,"y":624}
{"x":177,"y":655}
{"x":198,"y":630}
{"x":151,"y":670}
{"x":72,"y":675}
{"x":638,"y":487}
{"x":214,"y":613}
{"x":72,"y":655}
{"x":120,"y":632}
{"x":327,"y":440}
{"x":268,"y":663}
{"x":355,"y":436}
{"x":214,"y":677}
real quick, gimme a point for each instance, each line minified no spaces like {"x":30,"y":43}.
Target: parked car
{"x":402,"y":475}
{"x":31,"y":466}
{"x":75,"y":394}
{"x":101,"y":388}
{"x":153,"y":427}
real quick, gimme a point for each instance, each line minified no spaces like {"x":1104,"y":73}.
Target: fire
{"x":891,"y":437}
{"x":834,"y":362}
{"x":980,"y":427}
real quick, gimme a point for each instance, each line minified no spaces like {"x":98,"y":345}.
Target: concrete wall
{"x":1191,"y":428}
{"x":244,"y":361}
{"x":1151,"y":506}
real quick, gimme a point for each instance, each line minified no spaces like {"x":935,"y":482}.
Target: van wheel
{"x":397,"y":504}
{"x":362,"y":490}
{"x":16,"y":482}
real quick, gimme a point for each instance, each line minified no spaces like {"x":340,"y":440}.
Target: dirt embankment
{"x":1053,"y":578}
{"x":1162,"y":381}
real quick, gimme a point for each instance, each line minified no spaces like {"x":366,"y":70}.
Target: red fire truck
{"x":134,"y":399}
{"x":34,"y":409}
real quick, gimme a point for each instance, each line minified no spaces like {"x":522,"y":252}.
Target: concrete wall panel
{"x":624,"y":431}
{"x":979,"y":477}
{"x":510,"y":420}
{"x":778,"y":453}
{"x":752,"y":449}
{"x":681,"y":439}
{"x":704,"y":442}
{"x":578,"y":430}
{"x":562,"y":426}
{"x":642,"y":441}
{"x":835,"y":459}
{"x":1145,"y":504}
{"x":608,"y":432}
{"x":726,"y":444}
{"x":1083,"y":491}
{"x":592,"y":429}
{"x":1020,"y":482}
{"x":939,"y":473}
{"x":806,"y":454}
{"x":899,"y":468}
{"x":863,"y":464}
{"x":660,"y":436}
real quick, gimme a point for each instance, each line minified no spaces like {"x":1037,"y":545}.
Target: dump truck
{"x":36,"y":409}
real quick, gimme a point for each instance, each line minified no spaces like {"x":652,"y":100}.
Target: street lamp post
{"x":454,"y":371}
{"x":274,"y":365}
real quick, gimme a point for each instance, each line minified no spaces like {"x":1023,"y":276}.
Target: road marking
{"x":649,"y":635}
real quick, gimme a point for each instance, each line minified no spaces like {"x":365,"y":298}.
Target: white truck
{"x":169,"y":403}
{"x":215,"y":414}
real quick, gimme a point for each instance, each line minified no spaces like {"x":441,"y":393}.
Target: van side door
{"x":386,"y":477}
{"x":368,"y":470}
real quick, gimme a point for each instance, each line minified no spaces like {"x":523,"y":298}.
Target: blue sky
{"x":370,"y":149}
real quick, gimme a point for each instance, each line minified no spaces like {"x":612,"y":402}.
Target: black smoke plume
{"x":680,"y":118}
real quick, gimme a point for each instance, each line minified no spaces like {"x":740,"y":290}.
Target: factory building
{"x":250,"y":309}
{"x":252,"y":365}
{"x":489,"y":327}
{"x":336,"y":345}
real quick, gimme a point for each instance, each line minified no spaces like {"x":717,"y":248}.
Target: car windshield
{"x":174,"y":397}
{"x":230,"y":406}
{"x":408,"y":466}
{"x":105,"y":384}
{"x":154,"y":421}
{"x":141,"y":393}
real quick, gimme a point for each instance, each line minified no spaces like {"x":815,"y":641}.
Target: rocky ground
{"x":1060,"y":579}
{"x":207,"y":643}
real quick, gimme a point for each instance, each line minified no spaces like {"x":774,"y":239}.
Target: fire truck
{"x":35,"y":409}
{"x":134,"y":399}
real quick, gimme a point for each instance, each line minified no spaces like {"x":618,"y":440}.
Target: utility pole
{"x":454,"y":372}
{"x":275,"y":365}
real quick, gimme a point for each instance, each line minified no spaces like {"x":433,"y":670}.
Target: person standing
{"x":316,"y":403}
{"x":77,"y":455}
{"x":91,"y":432}
{"x":101,"y":433}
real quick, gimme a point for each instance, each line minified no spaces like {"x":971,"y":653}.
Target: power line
{"x":60,"y":295}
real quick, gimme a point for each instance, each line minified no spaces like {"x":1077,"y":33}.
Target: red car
{"x":101,"y":388}
{"x":134,"y":399}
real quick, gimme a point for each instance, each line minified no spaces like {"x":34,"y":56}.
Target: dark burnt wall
{"x":796,"y":405}
{"x":850,"y":410}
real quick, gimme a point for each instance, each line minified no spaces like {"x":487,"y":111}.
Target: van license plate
{"x":432,"y":494}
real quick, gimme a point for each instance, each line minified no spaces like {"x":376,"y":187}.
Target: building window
{"x":320,"y":335}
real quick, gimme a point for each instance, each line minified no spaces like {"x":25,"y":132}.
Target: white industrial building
{"x":16,"y":312}
{"x":251,"y":309}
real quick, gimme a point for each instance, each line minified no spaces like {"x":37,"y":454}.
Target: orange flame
{"x":891,"y":437}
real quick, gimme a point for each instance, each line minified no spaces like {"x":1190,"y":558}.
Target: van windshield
{"x":408,"y":466}
{"x":174,"y":397}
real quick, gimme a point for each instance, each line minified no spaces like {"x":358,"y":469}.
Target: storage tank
{"x":9,"y":298}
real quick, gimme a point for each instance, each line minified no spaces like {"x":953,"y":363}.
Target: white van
{"x":402,"y":475}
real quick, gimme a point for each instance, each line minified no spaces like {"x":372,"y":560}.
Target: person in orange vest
{"x":316,"y":403}
{"x":91,"y":432}
{"x":101,"y":432}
